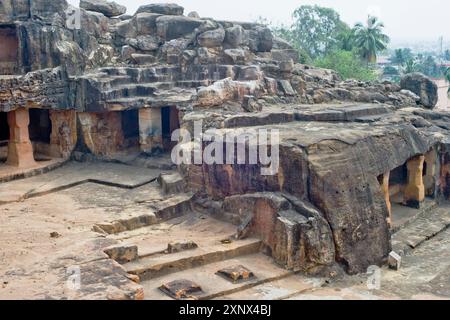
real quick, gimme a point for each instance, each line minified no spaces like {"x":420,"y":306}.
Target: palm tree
{"x":399,"y":57}
{"x":370,"y":39}
{"x":410,"y":66}
{"x":345,"y":40}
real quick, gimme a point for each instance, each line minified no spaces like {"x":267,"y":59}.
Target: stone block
{"x":123,"y":254}
{"x":182,"y":289}
{"x":179,"y":246}
{"x":394,"y":261}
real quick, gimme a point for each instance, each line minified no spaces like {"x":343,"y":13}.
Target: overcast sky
{"x":404,"y":19}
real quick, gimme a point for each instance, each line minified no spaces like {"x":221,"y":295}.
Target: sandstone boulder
{"x":145,"y":23}
{"x":422,"y":86}
{"x":173,"y":27}
{"x":282,"y":44}
{"x":170,"y":9}
{"x":212,"y":38}
{"x":108,"y":8}
{"x":145,"y":43}
{"x":237,"y":56}
{"x":193,"y":14}
{"x":235,"y":36}
{"x":265,"y":38}
{"x":44,"y":11}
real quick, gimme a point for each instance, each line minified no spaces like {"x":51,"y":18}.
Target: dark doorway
{"x":170,"y":123}
{"x":40,"y":130}
{"x":4,"y":127}
{"x":398,"y":179}
{"x":9,"y":50}
{"x":130,"y":128}
{"x":40,"y":125}
{"x":4,"y":136}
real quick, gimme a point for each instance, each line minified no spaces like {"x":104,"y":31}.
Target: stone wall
{"x":101,"y":133}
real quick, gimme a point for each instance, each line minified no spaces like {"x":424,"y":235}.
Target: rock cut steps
{"x":158,"y":211}
{"x":203,"y":246}
{"x":166,"y":201}
{"x":161,"y":264}
{"x":130,"y":87}
{"x":266,"y":279}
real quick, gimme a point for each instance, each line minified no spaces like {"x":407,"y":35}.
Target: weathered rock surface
{"x":108,"y":8}
{"x":173,"y":27}
{"x":162,"y":8}
{"x":323,"y":207}
{"x":423,"y":87}
{"x":212,"y":38}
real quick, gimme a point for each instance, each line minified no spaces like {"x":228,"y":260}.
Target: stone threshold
{"x":9,"y":173}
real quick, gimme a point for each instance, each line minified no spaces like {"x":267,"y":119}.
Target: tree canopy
{"x":347,"y":64}
{"x":370,"y":39}
{"x":315,"y":30}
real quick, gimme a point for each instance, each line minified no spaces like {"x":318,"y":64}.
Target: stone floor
{"x":403,"y":215}
{"x":74,"y":174}
{"x":47,"y":227}
{"x":9,"y":173}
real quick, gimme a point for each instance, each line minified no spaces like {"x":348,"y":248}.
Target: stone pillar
{"x":387,"y":198}
{"x":64,"y":133}
{"x":429,"y":179}
{"x":150,"y":129}
{"x":415,"y":190}
{"x":20,"y":149}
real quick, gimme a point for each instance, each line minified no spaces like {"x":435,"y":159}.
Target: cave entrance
{"x":130,"y":128}
{"x":9,"y":51}
{"x":170,"y":122}
{"x":4,"y":137}
{"x":40,"y":130}
{"x":398,"y":179}
{"x":409,"y":187}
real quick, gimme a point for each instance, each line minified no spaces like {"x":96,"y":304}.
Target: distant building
{"x":443,"y":98}
{"x":383,"y":61}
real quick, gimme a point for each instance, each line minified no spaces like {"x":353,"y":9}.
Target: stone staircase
{"x":209,"y":246}
{"x":130,"y":87}
{"x":169,"y":200}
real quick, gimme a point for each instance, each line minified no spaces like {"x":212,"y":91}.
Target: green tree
{"x":315,"y":30}
{"x":429,"y":67}
{"x":346,"y":40}
{"x":390,"y":71}
{"x":400,"y":56}
{"x":447,"y":55}
{"x":410,"y":66}
{"x":370,"y":39}
{"x":347,"y":64}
